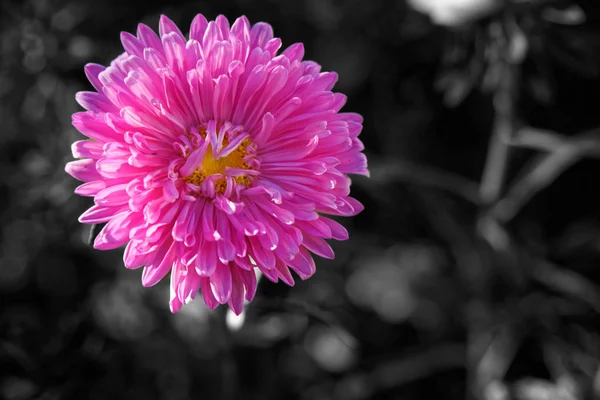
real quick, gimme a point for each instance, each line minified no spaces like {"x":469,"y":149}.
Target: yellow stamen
{"x":211,"y":166}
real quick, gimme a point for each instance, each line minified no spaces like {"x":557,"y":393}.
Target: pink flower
{"x":213,"y":156}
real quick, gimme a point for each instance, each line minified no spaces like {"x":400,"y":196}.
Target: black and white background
{"x":473,"y":273}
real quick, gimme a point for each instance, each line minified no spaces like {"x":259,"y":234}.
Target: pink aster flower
{"x":212,"y":156}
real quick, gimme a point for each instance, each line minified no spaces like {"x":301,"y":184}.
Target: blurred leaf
{"x":326,"y":347}
{"x":456,"y":86}
{"x":573,"y":15}
{"x":518,"y":44}
{"x":567,"y":359}
{"x":581,"y":239}
{"x":496,"y":390}
{"x":540,"y":89}
{"x":577,"y":51}
{"x":14,"y":353}
{"x":304,"y":308}
{"x":596,"y":384}
{"x":13,"y":388}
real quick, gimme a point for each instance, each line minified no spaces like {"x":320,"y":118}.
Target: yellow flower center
{"x":211,"y":166}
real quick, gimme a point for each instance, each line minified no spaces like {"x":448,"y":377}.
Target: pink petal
{"x":318,"y":246}
{"x":98,"y":214}
{"x":148,"y":37}
{"x":166,"y":26}
{"x":90,"y":189}
{"x":249,"y":280}
{"x":131,"y":44}
{"x":221,"y":283}
{"x":199,"y":24}
{"x":92,"y":71}
{"x":303,"y":264}
{"x":93,"y":101}
{"x":295,"y":52}
{"x":87,"y":149}
{"x":223,"y":24}
{"x":236,"y":301}
{"x":206,"y":262}
{"x":162,"y":264}
{"x":112,"y":196}
{"x":94,"y":126}
{"x":115,"y":233}
{"x":207,"y":295}
{"x":284,"y":273}
{"x":260,"y":34}
{"x":83,"y":170}
{"x":241,"y":30}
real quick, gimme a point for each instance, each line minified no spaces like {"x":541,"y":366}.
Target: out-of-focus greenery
{"x":438,"y":294}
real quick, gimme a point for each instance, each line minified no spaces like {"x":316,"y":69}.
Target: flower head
{"x":213,"y":156}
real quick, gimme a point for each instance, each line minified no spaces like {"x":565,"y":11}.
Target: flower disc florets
{"x":214,"y":156}
{"x":217,"y":158}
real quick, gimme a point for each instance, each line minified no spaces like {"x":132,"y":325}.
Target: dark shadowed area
{"x":474,"y":271}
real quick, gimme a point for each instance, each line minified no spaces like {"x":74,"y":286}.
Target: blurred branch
{"x":473,"y":270}
{"x":498,"y":152}
{"x":490,"y":352}
{"x":568,"y":282}
{"x":538,"y":139}
{"x":391,"y":170}
{"x":544,"y":169}
{"x":500,"y":349}
{"x":587,"y":142}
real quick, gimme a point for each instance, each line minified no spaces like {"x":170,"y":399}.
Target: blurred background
{"x":471,"y":274}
